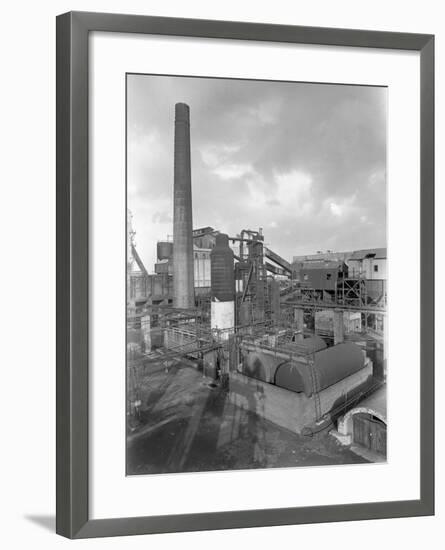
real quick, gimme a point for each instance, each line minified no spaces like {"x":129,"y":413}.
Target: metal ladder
{"x":315,"y":386}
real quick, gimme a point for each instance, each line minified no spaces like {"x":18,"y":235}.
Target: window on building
{"x":328,"y":276}
{"x":305,"y":277}
{"x":376,"y":268}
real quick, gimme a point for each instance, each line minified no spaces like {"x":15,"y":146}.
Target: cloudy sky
{"x":306,"y":162}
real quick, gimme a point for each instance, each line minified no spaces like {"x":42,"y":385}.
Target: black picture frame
{"x":72,"y":273}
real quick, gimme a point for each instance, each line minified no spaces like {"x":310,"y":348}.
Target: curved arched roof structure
{"x":312,"y":344}
{"x":374,"y":404}
{"x":330,"y":365}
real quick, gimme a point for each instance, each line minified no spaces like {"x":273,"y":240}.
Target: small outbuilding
{"x":364,"y":426}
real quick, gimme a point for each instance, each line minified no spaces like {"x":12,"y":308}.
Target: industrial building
{"x":369,"y":262}
{"x":299,"y":344}
{"x":365,"y":425}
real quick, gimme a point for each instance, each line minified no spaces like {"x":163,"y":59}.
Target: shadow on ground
{"x":189,"y":425}
{"x":46,"y":522}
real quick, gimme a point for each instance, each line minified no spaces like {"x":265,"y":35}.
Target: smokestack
{"x":183,"y":283}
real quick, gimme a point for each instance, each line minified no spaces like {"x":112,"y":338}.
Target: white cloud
{"x":214,"y":156}
{"x":232,"y":171}
{"x":266,"y":112}
{"x":288,"y":194}
{"x":342,"y":208}
{"x":377,"y":178}
{"x":294,"y":191}
{"x":336,"y":209}
{"x":209,"y":157}
{"x":263,"y":153}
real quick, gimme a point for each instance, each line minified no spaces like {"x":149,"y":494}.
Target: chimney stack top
{"x":182,"y":112}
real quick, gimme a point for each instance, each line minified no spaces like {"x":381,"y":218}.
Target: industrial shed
{"x":342,"y":371}
{"x":370,"y":263}
{"x":323,"y":274}
{"x":364,"y":426}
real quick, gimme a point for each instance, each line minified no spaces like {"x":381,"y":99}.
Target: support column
{"x":146,"y":332}
{"x":339,"y":328}
{"x":274,"y":290}
{"x":210,"y":361}
{"x":299,"y":322}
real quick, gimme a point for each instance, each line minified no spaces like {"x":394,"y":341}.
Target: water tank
{"x":164,"y":250}
{"x":222,"y":270}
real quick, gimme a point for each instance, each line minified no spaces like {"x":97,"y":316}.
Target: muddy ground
{"x":187,"y":424}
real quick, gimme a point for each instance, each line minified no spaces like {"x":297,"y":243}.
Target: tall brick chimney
{"x":183,"y":275}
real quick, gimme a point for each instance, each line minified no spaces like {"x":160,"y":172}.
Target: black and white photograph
{"x":256,"y":274}
{"x":227,"y":217}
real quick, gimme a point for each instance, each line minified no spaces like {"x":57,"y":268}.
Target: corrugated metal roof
{"x":308,"y":345}
{"x":344,"y":256}
{"x":200,"y":231}
{"x":322,"y":256}
{"x":318,"y":264}
{"x":375,"y":403}
{"x":331,"y":365}
{"x":263,"y":366}
{"x":376,"y":253}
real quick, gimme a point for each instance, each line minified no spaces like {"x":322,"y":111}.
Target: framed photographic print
{"x":245,"y":282}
